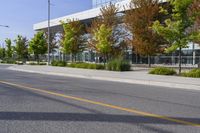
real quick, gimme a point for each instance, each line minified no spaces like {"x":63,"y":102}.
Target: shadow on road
{"x":54,"y":116}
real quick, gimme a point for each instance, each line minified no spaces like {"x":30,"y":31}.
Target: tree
{"x":92,"y":30}
{"x":73,"y":40}
{"x":110,"y":18}
{"x":2,"y":53}
{"x":194,"y":13}
{"x":175,"y":29}
{"x":9,"y":51}
{"x":21,"y":47}
{"x":139,"y":20}
{"x":38,"y":45}
{"x":102,"y":37}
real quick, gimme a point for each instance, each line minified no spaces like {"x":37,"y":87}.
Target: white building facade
{"x":84,"y":15}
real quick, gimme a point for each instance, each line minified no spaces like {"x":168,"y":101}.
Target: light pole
{"x":6,"y":26}
{"x":49,"y":4}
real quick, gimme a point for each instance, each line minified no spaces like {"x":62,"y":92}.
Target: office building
{"x":191,"y":55}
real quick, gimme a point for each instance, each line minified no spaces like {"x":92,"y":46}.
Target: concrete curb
{"x":130,"y":81}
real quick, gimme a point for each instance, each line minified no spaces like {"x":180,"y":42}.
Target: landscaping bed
{"x":194,"y":73}
{"x":113,"y":65}
{"x":162,"y":71}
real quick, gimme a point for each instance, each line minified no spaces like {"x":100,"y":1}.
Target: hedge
{"x":195,"y":73}
{"x":162,"y":71}
{"x":118,"y":65}
{"x":86,"y":66}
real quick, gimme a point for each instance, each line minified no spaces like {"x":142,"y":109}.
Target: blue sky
{"x":20,"y":15}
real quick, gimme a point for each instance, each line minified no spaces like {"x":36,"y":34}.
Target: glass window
{"x":98,"y":3}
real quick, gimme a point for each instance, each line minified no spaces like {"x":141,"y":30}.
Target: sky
{"x":20,"y":15}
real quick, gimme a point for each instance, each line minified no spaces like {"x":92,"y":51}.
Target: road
{"x":35,"y":103}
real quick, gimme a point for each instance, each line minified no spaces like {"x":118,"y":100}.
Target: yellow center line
{"x":146,"y":114}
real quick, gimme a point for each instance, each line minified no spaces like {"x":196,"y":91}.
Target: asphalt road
{"x":34,"y":103}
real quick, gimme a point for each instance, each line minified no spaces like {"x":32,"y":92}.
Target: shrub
{"x":100,"y":67}
{"x":162,"y":71}
{"x":118,"y":65}
{"x":195,"y":73}
{"x":36,"y":63}
{"x":82,"y":65}
{"x":33,"y":63}
{"x":86,"y":66}
{"x":73,"y":65}
{"x":8,"y":61}
{"x":91,"y":66}
{"x":11,"y":62}
{"x":42,"y":63}
{"x":59,"y":63}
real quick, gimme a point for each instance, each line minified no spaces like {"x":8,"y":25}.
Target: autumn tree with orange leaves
{"x":194,"y":13}
{"x":139,"y":20}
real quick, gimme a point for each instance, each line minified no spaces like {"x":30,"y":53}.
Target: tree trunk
{"x":72,"y":58}
{"x":37,"y":58}
{"x":64,"y":57}
{"x":52,"y":56}
{"x":107,"y":57}
{"x":133,"y":52}
{"x":104,"y":60}
{"x":180,"y":60}
{"x":149,"y":61}
{"x":136,"y":58}
{"x":75,"y":58}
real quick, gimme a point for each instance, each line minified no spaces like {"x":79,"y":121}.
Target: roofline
{"x":84,"y":15}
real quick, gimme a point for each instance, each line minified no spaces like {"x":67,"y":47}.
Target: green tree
{"x":139,"y":20}
{"x":103,"y":39}
{"x":73,"y":40}
{"x":38,"y":45}
{"x":110,"y":18}
{"x":21,"y":47}
{"x":175,"y":29}
{"x":2,"y":53}
{"x":9,"y":50}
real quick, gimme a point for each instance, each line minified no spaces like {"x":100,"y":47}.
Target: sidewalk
{"x":133,"y":77}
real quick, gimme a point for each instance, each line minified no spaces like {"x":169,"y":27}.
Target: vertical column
{"x":193,"y":54}
{"x":48,"y":58}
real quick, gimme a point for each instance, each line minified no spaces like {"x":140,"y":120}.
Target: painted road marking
{"x":146,"y":114}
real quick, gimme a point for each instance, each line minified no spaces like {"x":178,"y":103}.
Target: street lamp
{"x":49,"y":4}
{"x":6,"y":26}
